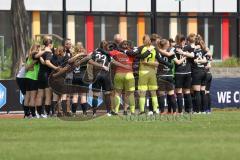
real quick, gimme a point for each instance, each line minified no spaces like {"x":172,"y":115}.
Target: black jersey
{"x":199,"y":54}
{"x":166,"y":70}
{"x":57,"y":60}
{"x":79,"y":71}
{"x":184,"y":67}
{"x":209,"y":59}
{"x":190,"y":61}
{"x":44,"y":70}
{"x":102,"y":57}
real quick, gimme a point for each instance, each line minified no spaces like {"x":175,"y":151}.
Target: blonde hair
{"x":146,"y":40}
{"x":79,"y":48}
{"x":162,"y":43}
{"x":60,"y":50}
{"x":191,"y":38}
{"x":34,"y":49}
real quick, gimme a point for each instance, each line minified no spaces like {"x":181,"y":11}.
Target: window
{"x":5,"y":28}
{"x":111,"y":27}
{"x":80,"y":29}
{"x":97,"y":31}
{"x":132,"y":29}
{"x":57,"y":23}
{"x":214,"y":34}
{"x":233,"y":37}
{"x":163,"y":27}
{"x":44,"y":22}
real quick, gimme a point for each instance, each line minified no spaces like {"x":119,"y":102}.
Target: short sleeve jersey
{"x":123,"y":59}
{"x":199,"y":54}
{"x":183,"y":67}
{"x":144,"y":69}
{"x":163,"y":69}
{"x":101,"y":58}
{"x":190,"y":49}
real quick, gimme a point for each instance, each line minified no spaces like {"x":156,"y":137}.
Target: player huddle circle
{"x":174,"y":75}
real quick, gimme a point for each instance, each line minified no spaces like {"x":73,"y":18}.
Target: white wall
{"x":5,"y":4}
{"x":139,"y":5}
{"x":197,"y":6}
{"x":167,"y":6}
{"x":225,"y":5}
{"x":78,"y":5}
{"x":133,"y":5}
{"x":109,"y":5}
{"x":43,"y":5}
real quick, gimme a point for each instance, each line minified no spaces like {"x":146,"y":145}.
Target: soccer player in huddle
{"x":44,"y":95}
{"x":183,"y":83}
{"x":124,"y":84}
{"x":165,"y":77}
{"x":147,"y":74}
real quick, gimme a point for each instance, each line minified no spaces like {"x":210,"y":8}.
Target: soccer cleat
{"x":43,"y":116}
{"x":109,"y":114}
{"x":157,"y":111}
{"x":114,"y":113}
{"x":133,"y":114}
{"x":150,"y":113}
{"x":125,"y":113}
{"x":203,"y":113}
{"x":142,"y":113}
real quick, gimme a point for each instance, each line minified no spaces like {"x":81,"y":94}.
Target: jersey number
{"x":149,"y":57}
{"x":102,"y":58}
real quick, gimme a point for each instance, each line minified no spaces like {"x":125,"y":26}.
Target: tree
{"x":20,"y":34}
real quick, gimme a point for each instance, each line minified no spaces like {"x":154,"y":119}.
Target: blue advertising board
{"x":225,"y":92}
{"x":3,"y":95}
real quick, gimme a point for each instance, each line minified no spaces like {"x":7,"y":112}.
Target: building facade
{"x":91,"y":21}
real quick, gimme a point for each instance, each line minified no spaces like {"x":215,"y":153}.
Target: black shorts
{"x":183,"y":81}
{"x":43,"y":80}
{"x":103,"y":81}
{"x":199,"y":78}
{"x":165,"y":83}
{"x":79,"y":81}
{"x":208,"y":81}
{"x":31,"y":85}
{"x":42,"y":84}
{"x":21,"y":82}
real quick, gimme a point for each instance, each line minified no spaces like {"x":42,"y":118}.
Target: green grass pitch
{"x":211,"y":137}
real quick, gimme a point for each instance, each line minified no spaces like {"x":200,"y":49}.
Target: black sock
{"x":173,"y":103}
{"x":26,"y":110}
{"x":150,"y":104}
{"x":203,"y":101}
{"x":188,"y":102}
{"x":193,"y":101}
{"x":74,"y":107}
{"x":209,"y":103}
{"x":169,"y":104}
{"x":40,"y":110}
{"x":32,"y":110}
{"x":94,"y":104}
{"x":197,"y":101}
{"x":180,"y":102}
{"x":161,"y":103}
{"x":64,"y":106}
{"x":84,"y":107}
{"x":53,"y":106}
{"x":48,"y":109}
{"x":107,"y":99}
